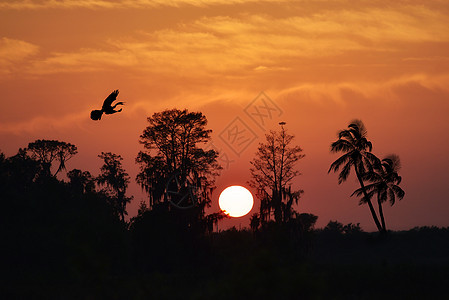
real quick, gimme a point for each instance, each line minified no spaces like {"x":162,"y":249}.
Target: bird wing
{"x":108,"y":101}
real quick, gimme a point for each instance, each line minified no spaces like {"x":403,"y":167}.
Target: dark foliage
{"x":46,"y":152}
{"x":114,"y":180}
{"x":57,"y":237}
{"x":273,"y":169}
{"x":65,"y":240}
{"x":175,"y":170}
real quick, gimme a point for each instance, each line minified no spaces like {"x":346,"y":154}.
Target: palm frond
{"x":398,"y":179}
{"x":371,"y":176}
{"x":341,"y":145}
{"x":383,"y":194}
{"x":344,"y":173}
{"x":391,"y":196}
{"x":373,"y":160}
{"x":346,"y":135}
{"x":364,"y":200}
{"x":393,"y":161}
{"x":359,"y":164}
{"x":358,"y":126}
{"x":335,"y":166}
{"x":368,"y":145}
{"x":398,"y":191}
{"x":358,"y":192}
{"x":368,"y":188}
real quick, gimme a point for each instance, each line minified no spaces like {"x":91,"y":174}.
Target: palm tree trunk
{"x":371,"y":207}
{"x":381,"y":214}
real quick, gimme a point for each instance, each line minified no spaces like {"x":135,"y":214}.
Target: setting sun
{"x":236,"y":201}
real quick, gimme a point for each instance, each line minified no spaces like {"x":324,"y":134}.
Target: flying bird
{"x":107,"y":107}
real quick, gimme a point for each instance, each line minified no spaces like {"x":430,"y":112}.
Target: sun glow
{"x":236,"y":201}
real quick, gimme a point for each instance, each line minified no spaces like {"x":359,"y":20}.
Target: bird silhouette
{"x":107,"y":107}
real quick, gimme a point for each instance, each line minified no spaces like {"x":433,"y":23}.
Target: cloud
{"x":42,"y":124}
{"x":85,"y":60}
{"x":105,"y":4}
{"x":219,"y":44}
{"x":262,"y":44}
{"x":401,"y":90}
{"x":14,"y":52}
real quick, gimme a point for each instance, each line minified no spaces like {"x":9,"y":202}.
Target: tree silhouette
{"x":48,"y":151}
{"x":334,"y":227}
{"x":272,"y":171}
{"x":116,"y":181}
{"x":357,"y":155}
{"x":384,"y":183}
{"x":173,"y":160}
{"x":54,"y":230}
{"x":82,"y":181}
{"x":18,"y":174}
{"x":254,"y":222}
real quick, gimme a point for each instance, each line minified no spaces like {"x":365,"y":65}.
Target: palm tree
{"x":384,"y":183}
{"x":357,"y":154}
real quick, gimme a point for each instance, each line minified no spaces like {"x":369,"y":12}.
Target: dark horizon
{"x":245,"y":65}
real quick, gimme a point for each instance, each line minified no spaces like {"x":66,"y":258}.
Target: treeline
{"x":67,"y":240}
{"x":73,"y":235}
{"x":71,"y":239}
{"x":56,"y":233}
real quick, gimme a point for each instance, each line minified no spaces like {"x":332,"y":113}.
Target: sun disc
{"x":236,"y":201}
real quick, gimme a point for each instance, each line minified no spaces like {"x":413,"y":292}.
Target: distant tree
{"x":272,"y":172}
{"x":18,"y":172}
{"x":254,"y":222}
{"x":174,"y":162}
{"x":49,"y":151}
{"x":307,"y":221}
{"x":384,"y":184}
{"x":51,"y":232}
{"x":82,"y":181}
{"x":357,"y":155}
{"x":212,"y":219}
{"x":352,"y":228}
{"x":142,"y":208}
{"x":334,"y":227}
{"x":115,"y":180}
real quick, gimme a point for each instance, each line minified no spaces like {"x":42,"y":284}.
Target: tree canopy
{"x":115,"y":181}
{"x":49,"y":151}
{"x":272,"y":172}
{"x":174,"y":169}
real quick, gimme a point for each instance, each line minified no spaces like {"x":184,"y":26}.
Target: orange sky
{"x":321,"y":62}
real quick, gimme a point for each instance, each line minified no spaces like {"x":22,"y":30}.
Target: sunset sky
{"x":319,"y":64}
